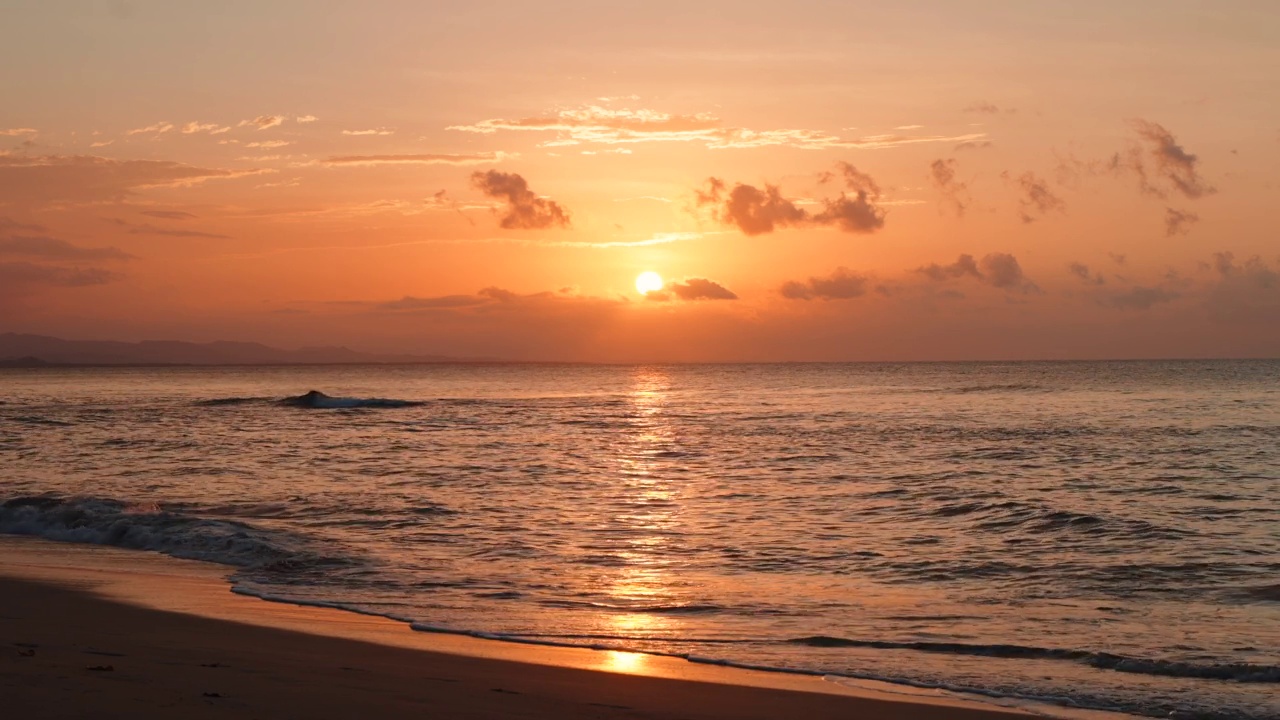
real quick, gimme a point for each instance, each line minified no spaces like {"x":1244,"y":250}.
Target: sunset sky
{"x":813,"y":180}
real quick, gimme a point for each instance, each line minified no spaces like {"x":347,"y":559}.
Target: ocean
{"x":1085,"y":534}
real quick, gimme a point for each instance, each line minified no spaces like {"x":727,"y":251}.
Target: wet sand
{"x":105,"y":633}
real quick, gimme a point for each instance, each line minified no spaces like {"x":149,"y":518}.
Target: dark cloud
{"x":26,"y":274}
{"x":1118,"y":258}
{"x":1003,"y":271}
{"x":964,"y":266}
{"x":756,"y":211}
{"x":692,"y":289}
{"x":1037,"y":198}
{"x":955,"y":194}
{"x":1082,"y":271}
{"x":1000,"y":270}
{"x":753,"y":211}
{"x":443,"y":302}
{"x":48,"y":248}
{"x":1139,"y":298}
{"x":1178,"y":222}
{"x":839,"y":285}
{"x":7,"y":226}
{"x":149,"y":229}
{"x":974,"y":145}
{"x":856,"y":214}
{"x":1244,"y":291}
{"x":982,"y":107}
{"x":1171,"y":166}
{"x":28,"y":179}
{"x":169,"y":214}
{"x":525,"y":210}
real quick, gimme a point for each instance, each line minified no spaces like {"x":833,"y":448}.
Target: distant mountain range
{"x":19,"y":350}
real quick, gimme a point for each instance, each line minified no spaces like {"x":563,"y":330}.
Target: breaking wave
{"x":1237,"y":672}
{"x":104,"y":521}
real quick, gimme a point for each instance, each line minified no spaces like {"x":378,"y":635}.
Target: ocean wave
{"x":219,"y":402}
{"x":311,"y":400}
{"x":316,"y":400}
{"x":1236,"y":672}
{"x":105,"y":521}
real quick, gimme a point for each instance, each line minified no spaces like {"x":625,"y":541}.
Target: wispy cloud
{"x":268,"y":144}
{"x":304,"y":119}
{"x":1037,"y":199}
{"x":955,"y":194}
{"x":158,"y":129}
{"x":1178,"y":222}
{"x":370,"y":131}
{"x":595,"y":124}
{"x":88,"y":178}
{"x":424,"y":159}
{"x":198,"y":127}
{"x":54,"y":249}
{"x":1171,"y":166}
{"x":263,"y":122}
{"x":23,"y":274}
{"x":17,"y":132}
{"x":169,"y":214}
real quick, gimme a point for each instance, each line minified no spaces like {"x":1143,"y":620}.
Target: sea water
{"x":1101,"y":535}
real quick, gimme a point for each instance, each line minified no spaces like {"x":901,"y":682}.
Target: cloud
{"x":1178,"y":222}
{"x":982,"y":107}
{"x":429,"y":159}
{"x":999,"y":270}
{"x":1171,"y":165}
{"x":304,"y":119}
{"x":211,"y":128}
{"x":153,"y":230}
{"x":1245,"y":291}
{"x":595,"y":124}
{"x":525,"y":210}
{"x":16,"y":132}
{"x":964,"y":266}
{"x":1037,"y":199}
{"x":159,"y":129}
{"x":409,"y":302}
{"x":169,"y":214}
{"x":752,"y":210}
{"x":839,"y":285}
{"x":691,"y":289}
{"x":955,"y":194}
{"x":1139,"y":298}
{"x":756,"y":212}
{"x":25,"y":274}
{"x":29,"y":179}
{"x":48,"y":248}
{"x":269,"y":144}
{"x":1082,"y":271}
{"x":371,"y":131}
{"x":264,"y":122}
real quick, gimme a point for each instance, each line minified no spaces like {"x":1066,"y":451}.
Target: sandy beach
{"x":86,"y":635}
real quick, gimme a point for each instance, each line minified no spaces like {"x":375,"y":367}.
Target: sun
{"x":648,"y":282}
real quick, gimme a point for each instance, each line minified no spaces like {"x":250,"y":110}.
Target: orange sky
{"x":815,"y":180}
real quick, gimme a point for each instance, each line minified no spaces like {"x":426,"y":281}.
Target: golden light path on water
{"x":648,"y":509}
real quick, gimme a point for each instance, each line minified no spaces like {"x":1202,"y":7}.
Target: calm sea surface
{"x":1095,"y":534}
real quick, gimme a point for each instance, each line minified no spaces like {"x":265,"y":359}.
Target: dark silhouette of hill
{"x":21,"y":350}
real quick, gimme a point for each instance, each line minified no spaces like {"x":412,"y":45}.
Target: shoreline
{"x":122,"y":598}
